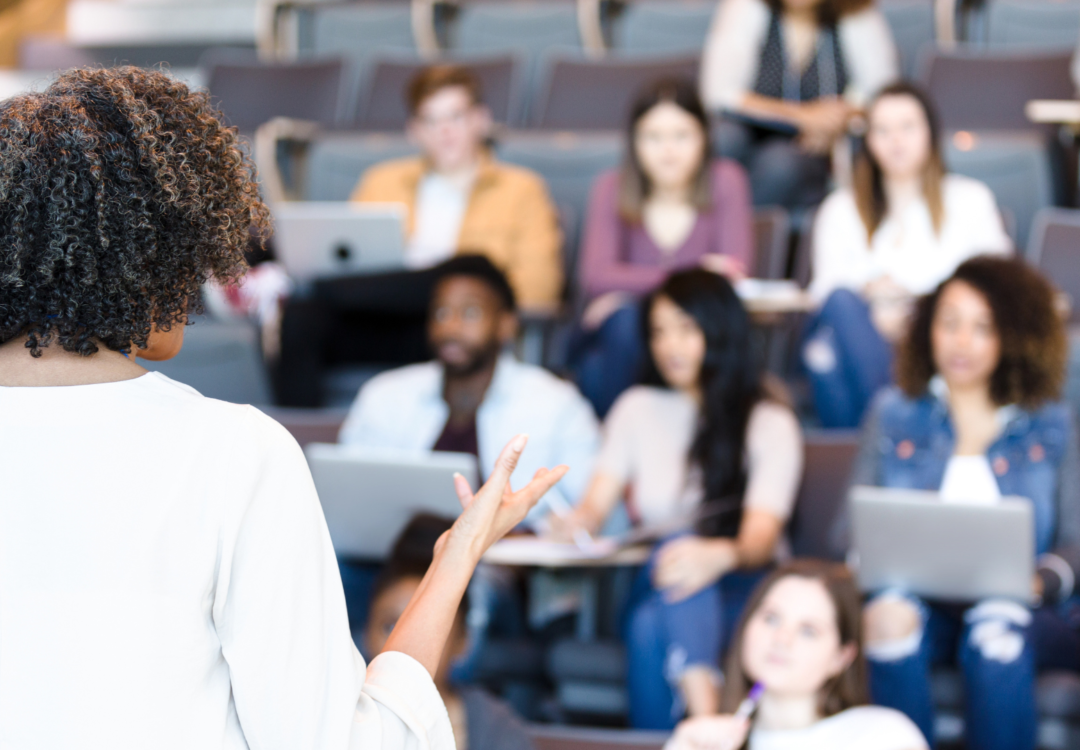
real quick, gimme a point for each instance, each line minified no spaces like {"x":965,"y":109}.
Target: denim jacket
{"x":907,"y":442}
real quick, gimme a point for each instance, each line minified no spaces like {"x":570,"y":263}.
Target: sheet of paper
{"x":530,"y":550}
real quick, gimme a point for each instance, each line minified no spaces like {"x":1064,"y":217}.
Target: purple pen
{"x":750,"y":702}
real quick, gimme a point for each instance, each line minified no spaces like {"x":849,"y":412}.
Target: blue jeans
{"x":998,"y":646}
{"x":663,"y":639}
{"x":846,"y":358}
{"x":606,"y":362}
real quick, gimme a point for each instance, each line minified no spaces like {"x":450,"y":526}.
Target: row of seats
{"x":575,"y":92}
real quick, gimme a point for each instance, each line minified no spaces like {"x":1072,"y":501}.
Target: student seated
{"x":789,"y":75}
{"x":899,"y":231}
{"x":458,"y":199}
{"x":702,"y":433}
{"x":669,"y":207}
{"x":474,"y":395}
{"x":800,"y":641}
{"x":977,"y":416}
{"x":479,"y":720}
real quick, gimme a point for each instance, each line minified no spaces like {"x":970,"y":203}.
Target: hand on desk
{"x":686,"y":565}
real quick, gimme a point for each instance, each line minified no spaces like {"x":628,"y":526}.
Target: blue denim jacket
{"x":907,"y":442}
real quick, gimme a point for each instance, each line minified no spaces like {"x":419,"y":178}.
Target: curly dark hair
{"x":1034,"y":349}
{"x":121,"y":193}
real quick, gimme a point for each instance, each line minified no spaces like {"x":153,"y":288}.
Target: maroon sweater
{"x":620,"y":257}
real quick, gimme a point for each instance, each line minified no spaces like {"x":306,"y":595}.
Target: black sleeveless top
{"x":826,"y":75}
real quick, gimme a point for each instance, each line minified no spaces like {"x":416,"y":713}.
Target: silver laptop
{"x":369,"y":496}
{"x":325,"y":239}
{"x":910,"y":539}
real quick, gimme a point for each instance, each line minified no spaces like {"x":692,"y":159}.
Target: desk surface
{"x":539,"y":553}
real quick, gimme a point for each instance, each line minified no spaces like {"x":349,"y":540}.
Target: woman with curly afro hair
{"x":166,"y":576}
{"x":976,"y":417}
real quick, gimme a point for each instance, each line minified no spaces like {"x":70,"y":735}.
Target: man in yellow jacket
{"x":459,"y":199}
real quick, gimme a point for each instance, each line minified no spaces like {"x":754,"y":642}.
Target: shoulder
{"x":750,"y":15}
{"x":533,"y":380}
{"x":233,"y":424}
{"x":896,"y":412}
{"x":641,"y":397}
{"x":723,"y":172}
{"x":966,"y":191}
{"x":773,"y":420}
{"x":840,"y":203}
{"x":520,"y":178}
{"x":394,"y":170}
{"x":874,"y":728}
{"x":606,"y":184}
{"x":861,"y":21}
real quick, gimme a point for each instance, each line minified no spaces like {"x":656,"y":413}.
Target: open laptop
{"x":369,"y":496}
{"x":325,"y":239}
{"x":910,"y":539}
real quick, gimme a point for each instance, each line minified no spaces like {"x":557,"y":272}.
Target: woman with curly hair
{"x":166,"y":576}
{"x":976,"y":416}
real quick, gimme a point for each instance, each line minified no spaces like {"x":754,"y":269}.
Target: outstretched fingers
{"x":464,"y":491}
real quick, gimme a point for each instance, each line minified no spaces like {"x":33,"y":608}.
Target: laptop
{"x":910,"y":539}
{"x":369,"y":496}
{"x":316,"y":239}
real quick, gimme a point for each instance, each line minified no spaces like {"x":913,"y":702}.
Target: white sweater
{"x":167,"y":581}
{"x":739,"y":28}
{"x":905,"y":248}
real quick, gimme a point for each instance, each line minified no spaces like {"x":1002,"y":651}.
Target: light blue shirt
{"x":404,"y":410}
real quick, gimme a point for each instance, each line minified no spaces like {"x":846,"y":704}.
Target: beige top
{"x":647,"y":439}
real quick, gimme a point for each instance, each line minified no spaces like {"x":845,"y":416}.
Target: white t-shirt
{"x":905,"y":248}
{"x":167,"y":580}
{"x":647,"y":439}
{"x":969,"y":480}
{"x":440,"y":209}
{"x":861,"y":728}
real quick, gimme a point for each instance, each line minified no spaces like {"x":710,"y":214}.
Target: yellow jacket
{"x":509,"y":218}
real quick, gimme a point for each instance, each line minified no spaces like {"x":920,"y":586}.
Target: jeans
{"x":846,"y":358}
{"x":781,"y":172}
{"x":607,"y":361}
{"x":998,"y":646}
{"x":663,"y":639}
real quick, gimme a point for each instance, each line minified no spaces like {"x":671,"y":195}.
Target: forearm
{"x":770,"y":108}
{"x":425,"y":625}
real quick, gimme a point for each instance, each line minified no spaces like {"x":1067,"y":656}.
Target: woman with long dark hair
{"x":670,"y":206}
{"x":797,"y":655}
{"x":705,"y":439}
{"x":901,"y":228}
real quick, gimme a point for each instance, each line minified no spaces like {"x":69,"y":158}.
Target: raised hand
{"x":495,"y":508}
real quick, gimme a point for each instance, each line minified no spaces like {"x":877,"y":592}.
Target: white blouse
{"x":167,"y":580}
{"x":905,"y":247}
{"x":861,"y":728}
{"x":729,"y":67}
{"x":647,"y":439}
